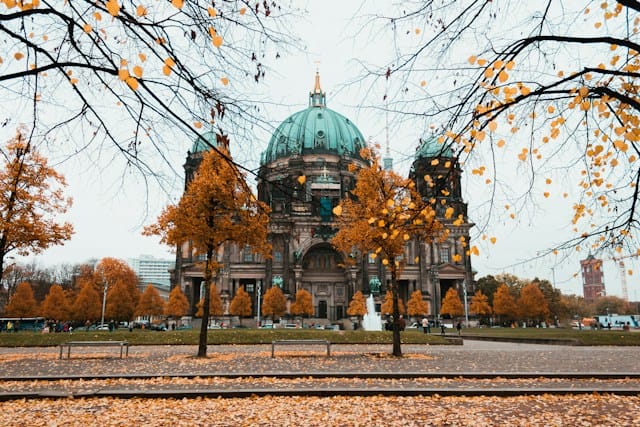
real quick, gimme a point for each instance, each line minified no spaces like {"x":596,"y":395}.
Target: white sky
{"x":109,"y":212}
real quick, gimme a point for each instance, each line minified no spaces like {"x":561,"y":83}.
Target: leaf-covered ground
{"x":586,"y":410}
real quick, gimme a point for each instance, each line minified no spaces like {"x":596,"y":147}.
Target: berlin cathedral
{"x":320,"y":144}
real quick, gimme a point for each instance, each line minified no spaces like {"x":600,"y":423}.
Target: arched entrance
{"x":323,"y":275}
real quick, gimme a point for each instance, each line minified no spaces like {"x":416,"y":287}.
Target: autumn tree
{"x":32,"y":198}
{"x":504,"y":303}
{"x":215,"y":304}
{"x":216,"y":209}
{"x":55,"y":305}
{"x":150,"y":303}
{"x":516,"y":88}
{"x":22,"y":303}
{"x":416,"y":305}
{"x":479,"y":305}
{"x":451,"y":304}
{"x":532,"y":304}
{"x":178,"y":305}
{"x":130,"y":74}
{"x":357,"y":306}
{"x":88,"y":304}
{"x":387,"y":304}
{"x":274,"y":303}
{"x":611,"y":304}
{"x":122,"y":288}
{"x":378,"y":217}
{"x":241,"y":303}
{"x":303,"y":305}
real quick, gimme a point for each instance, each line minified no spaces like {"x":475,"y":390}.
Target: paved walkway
{"x":472,"y":357}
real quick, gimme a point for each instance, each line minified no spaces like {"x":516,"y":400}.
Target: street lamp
{"x":466,"y":311}
{"x":104,"y":301}
{"x":436,"y":292}
{"x":259,"y":292}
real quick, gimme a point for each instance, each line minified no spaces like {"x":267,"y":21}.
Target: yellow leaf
{"x":493,"y":126}
{"x":548,"y":181}
{"x":197,"y":125}
{"x":18,"y":56}
{"x":169,"y":62}
{"x":166,"y":70}
{"x":434,"y":162}
{"x":457,"y":258}
{"x":500,"y":143}
{"x":472,"y":59}
{"x":133,"y":83}
{"x":510,"y":65}
{"x":503,"y":76}
{"x":112,"y":7}
{"x":217,"y":41}
{"x":423,"y":83}
{"x":406,"y":237}
{"x":417,"y":30}
{"x":142,"y":57}
{"x":224,"y":80}
{"x":212,"y":12}
{"x":337,"y":211}
{"x":177,"y":3}
{"x":475,"y":251}
{"x":545,"y":194}
{"x":243,"y":11}
{"x":141,"y":10}
{"x":448,"y":213}
{"x":302,"y":179}
{"x":493,"y":240}
{"x":73,"y":81}
{"x":385,"y":262}
{"x":137,"y":70}
{"x":123,"y":74}
{"x":97,"y":16}
{"x":87,"y":28}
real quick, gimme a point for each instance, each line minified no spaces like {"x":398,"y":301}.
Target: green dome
{"x":430,"y":148}
{"x":315,"y":130}
{"x":204,"y":142}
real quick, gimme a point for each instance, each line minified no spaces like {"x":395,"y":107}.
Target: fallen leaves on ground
{"x":328,"y":411}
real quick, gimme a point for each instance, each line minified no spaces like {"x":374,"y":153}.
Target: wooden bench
{"x":299,"y":343}
{"x":124,"y":346}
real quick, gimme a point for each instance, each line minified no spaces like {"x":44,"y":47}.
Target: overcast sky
{"x":109,"y":210}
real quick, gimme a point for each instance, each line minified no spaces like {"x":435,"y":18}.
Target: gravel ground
{"x":598,"y":409}
{"x":473,"y":356}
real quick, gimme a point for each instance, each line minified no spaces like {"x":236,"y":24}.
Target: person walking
{"x":459,"y":328}
{"x":442,"y":329}
{"x":425,"y":325}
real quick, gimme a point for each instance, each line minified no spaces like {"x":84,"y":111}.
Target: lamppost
{"x":466,"y":311}
{"x":259,"y":292}
{"x":104,"y":302}
{"x":436,"y":292}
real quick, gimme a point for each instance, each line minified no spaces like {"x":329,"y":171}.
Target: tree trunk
{"x":397,"y":351}
{"x":202,"y":342}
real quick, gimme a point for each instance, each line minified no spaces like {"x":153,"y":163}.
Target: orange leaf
{"x":18,"y":56}
{"x":87,"y":28}
{"x":112,"y":7}
{"x":243,"y":11}
{"x":177,"y":3}
{"x":137,"y":70}
{"x":217,"y":41}
{"x":141,"y":10}
{"x":224,"y":80}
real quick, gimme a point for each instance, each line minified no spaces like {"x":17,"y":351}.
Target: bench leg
{"x":60,"y":353}
{"x":328,"y":349}
{"x":273,"y":350}
{"x":68,"y":352}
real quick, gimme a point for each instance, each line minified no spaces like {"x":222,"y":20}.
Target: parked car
{"x":267,"y":326}
{"x":414,"y":325}
{"x":158,"y":327}
{"x":291,"y":326}
{"x":332,"y":327}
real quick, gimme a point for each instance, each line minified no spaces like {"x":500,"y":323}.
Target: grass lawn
{"x":265,"y":336}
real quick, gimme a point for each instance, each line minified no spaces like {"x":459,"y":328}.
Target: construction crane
{"x":623,"y":273}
